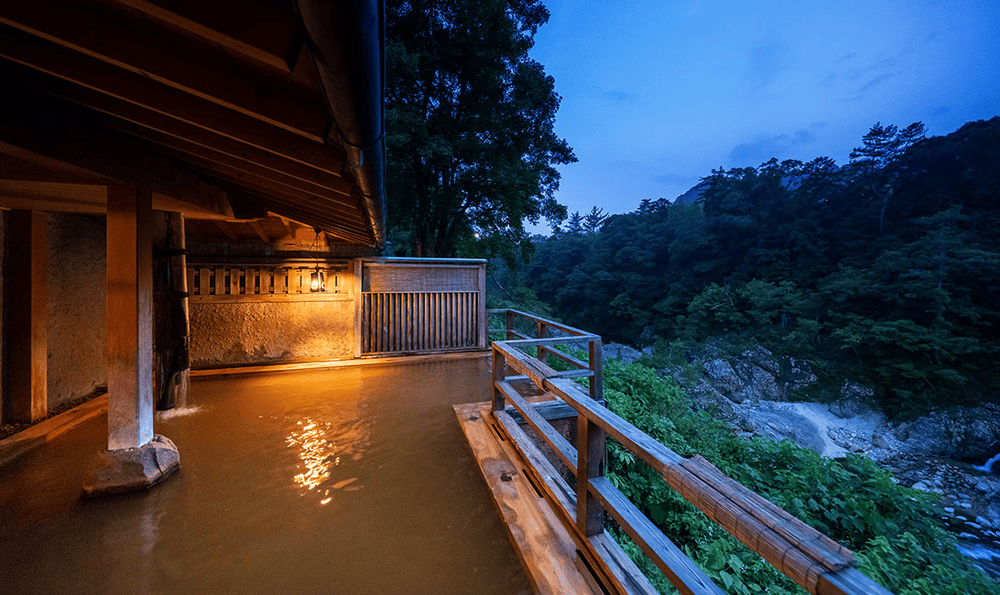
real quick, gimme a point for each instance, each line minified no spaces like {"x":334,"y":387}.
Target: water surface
{"x":352,"y":480}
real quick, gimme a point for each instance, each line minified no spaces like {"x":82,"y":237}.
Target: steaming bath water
{"x":353,"y":480}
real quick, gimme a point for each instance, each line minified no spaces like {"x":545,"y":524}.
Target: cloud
{"x":846,"y":58}
{"x":681,"y":179}
{"x":767,"y":63}
{"x":856,"y":78}
{"x":620,"y":96}
{"x":874,"y":82}
{"x":764,"y":148}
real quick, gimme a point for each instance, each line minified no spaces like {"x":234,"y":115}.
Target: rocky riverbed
{"x":946,"y":452}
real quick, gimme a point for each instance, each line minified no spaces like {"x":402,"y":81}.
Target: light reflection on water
{"x":321,"y":446}
{"x":355,"y":480}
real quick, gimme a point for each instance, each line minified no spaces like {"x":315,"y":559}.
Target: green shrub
{"x":893,"y":531}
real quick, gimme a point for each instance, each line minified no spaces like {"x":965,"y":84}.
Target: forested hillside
{"x":885,"y":270}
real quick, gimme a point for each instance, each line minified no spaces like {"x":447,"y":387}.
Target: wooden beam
{"x":130,"y":317}
{"x":68,"y":137}
{"x":257,"y":229}
{"x":224,"y":228}
{"x":238,"y":31}
{"x":274,"y":184}
{"x":186,"y":63}
{"x":246,"y":161}
{"x":26,"y":314}
{"x":53,"y":196}
{"x":168,"y":131}
{"x":27,"y":166}
{"x":86,"y":71}
{"x":317,"y":218}
{"x":285,"y":222}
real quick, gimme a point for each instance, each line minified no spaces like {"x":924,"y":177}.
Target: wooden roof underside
{"x":215,"y":105}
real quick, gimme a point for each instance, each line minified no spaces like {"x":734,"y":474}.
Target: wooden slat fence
{"x":802,"y":553}
{"x":420,"y":322}
{"x":411,"y":306}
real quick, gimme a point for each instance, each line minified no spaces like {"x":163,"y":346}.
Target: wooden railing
{"x":802,"y":553}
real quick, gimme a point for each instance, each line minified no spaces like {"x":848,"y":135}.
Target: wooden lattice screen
{"x":256,"y":281}
{"x":422,"y":307}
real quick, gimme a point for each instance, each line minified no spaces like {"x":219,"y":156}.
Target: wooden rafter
{"x":257,"y":229}
{"x":199,"y":68}
{"x":224,"y":228}
{"x":238,"y":32}
{"x":165,"y":130}
{"x":211,"y":106}
{"x":100,"y":76}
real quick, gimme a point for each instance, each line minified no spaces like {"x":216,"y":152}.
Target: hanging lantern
{"x":318,"y":281}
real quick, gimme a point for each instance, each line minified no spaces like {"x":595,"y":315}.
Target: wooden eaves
{"x":226,"y":110}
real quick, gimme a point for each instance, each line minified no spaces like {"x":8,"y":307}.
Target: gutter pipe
{"x":346,"y":40}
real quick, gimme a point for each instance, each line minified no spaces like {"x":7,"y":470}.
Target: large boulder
{"x":799,"y":373}
{"x":758,"y":383}
{"x":625,"y":353}
{"x":854,"y":399}
{"x":757,"y":375}
{"x":705,"y":396}
{"x":723,"y":378}
{"x":963,"y":433}
{"x":131,"y":469}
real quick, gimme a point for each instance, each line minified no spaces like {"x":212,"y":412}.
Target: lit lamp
{"x":318,"y":281}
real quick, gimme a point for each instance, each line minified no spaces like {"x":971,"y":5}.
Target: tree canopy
{"x":469,"y":120}
{"x":885,"y":270}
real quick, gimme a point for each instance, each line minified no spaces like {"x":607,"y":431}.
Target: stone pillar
{"x":25,"y":317}
{"x":135,"y":459}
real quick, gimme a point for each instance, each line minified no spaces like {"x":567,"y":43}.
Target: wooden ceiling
{"x":215,"y":104}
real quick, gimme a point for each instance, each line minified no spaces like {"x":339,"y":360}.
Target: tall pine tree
{"x":470,"y":117}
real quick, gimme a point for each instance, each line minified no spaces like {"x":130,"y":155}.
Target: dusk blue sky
{"x":655,"y":94}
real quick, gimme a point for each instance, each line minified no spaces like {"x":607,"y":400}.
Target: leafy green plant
{"x":893,"y":530}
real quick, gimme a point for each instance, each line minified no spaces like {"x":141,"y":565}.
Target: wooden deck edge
{"x":13,"y":447}
{"x":547,"y":550}
{"x":339,"y":363}
{"x":619,"y":571}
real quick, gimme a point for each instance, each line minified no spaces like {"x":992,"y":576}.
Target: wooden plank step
{"x":12,"y":447}
{"x":546,"y":548}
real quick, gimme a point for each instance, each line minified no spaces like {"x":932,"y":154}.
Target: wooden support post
{"x":499,"y":373}
{"x":482,"y":317}
{"x":172,"y":361}
{"x":590,"y":448}
{"x":359,"y":306}
{"x":597,"y":367}
{"x":510,"y":325}
{"x":543,"y":333}
{"x":130,"y":319}
{"x":26,"y":340}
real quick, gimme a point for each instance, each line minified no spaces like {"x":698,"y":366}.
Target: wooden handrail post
{"x":597,"y":367}
{"x":543,"y":333}
{"x":499,"y":374}
{"x":590,"y":463}
{"x":510,"y":324}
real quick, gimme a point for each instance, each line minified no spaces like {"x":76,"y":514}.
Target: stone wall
{"x":77,"y":321}
{"x":260,"y":332}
